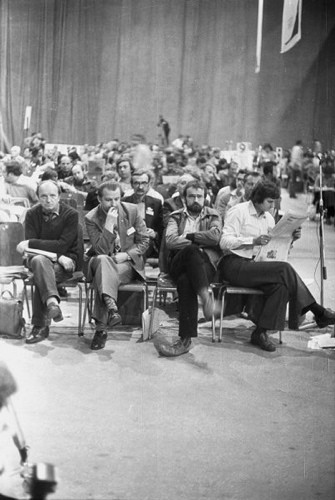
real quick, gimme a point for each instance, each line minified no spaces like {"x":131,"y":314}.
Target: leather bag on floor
{"x":12,"y":324}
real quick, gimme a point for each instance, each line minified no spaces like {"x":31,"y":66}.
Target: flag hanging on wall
{"x":291,"y":26}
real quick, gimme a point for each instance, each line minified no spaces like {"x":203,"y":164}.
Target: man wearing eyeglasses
{"x":150,"y":209}
{"x":245,"y":182}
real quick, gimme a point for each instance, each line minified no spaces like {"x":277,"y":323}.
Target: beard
{"x":195,"y":208}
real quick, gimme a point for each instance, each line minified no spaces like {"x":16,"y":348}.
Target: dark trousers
{"x":192,"y":272}
{"x":46,"y":276}
{"x":280,"y":284}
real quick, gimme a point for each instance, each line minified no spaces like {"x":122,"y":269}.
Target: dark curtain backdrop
{"x":93,"y":70}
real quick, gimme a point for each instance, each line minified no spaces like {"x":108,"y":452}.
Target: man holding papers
{"x":246,"y":230}
{"x":51,"y":231}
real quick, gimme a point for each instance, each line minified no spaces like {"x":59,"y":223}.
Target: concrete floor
{"x":225,"y":421}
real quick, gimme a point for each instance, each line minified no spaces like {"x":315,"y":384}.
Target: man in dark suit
{"x":119,"y":240}
{"x":150,"y":209}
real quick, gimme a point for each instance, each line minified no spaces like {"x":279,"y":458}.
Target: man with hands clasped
{"x":53,"y":227}
{"x":246,"y":228}
{"x":119,"y":240}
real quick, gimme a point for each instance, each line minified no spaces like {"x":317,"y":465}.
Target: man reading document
{"x":245,"y":231}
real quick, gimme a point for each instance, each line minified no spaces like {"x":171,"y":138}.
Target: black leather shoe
{"x":326,"y":319}
{"x":182,"y":346}
{"x":54,"y":312}
{"x":262,"y":340}
{"x":114,"y":319}
{"x":99,"y":340}
{"x":37,"y":334}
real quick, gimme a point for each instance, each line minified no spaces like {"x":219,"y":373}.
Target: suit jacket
{"x":153,"y":216}
{"x":132,"y":232}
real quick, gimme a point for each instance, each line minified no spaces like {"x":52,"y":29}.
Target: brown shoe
{"x":261,"y":339}
{"x":181,"y":346}
{"x":54,"y":312}
{"x":114,"y":319}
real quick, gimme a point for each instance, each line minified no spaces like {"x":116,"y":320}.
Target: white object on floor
{"x":325,"y":341}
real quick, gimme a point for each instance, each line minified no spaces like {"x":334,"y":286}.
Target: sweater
{"x":59,"y":235}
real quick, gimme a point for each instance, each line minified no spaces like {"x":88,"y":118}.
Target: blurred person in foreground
{"x":11,"y":482}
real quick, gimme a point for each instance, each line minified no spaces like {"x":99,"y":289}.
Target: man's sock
{"x":316,"y":309}
{"x":52,"y":300}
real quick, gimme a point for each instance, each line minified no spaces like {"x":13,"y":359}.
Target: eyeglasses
{"x":240,"y":178}
{"x":138,"y":184}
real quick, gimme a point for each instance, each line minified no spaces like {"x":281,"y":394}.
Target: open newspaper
{"x":280,"y":243}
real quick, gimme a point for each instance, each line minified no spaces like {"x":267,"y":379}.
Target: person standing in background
{"x":165,"y":129}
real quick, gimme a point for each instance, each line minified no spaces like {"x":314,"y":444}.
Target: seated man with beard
{"x":192,"y":238}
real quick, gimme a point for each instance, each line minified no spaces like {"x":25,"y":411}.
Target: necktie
{"x":117,"y":246}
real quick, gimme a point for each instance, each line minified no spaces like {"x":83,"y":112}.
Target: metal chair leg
{"x":80,"y":325}
{"x":221,"y":315}
{"x":25,"y":292}
{"x":151,"y":324}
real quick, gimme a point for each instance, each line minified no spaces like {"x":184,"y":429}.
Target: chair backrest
{"x":22,"y":202}
{"x":82,"y":214}
{"x":11,"y":233}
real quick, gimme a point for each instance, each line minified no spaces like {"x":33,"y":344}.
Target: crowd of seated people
{"x":141,"y":187}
